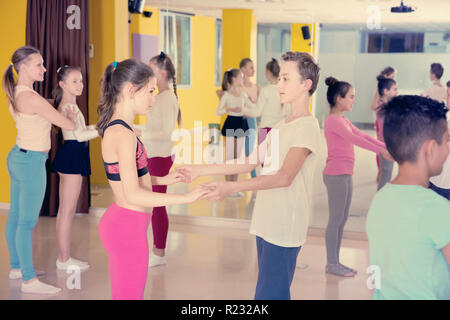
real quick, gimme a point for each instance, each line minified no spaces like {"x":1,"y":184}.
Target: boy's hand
{"x":218,"y":190}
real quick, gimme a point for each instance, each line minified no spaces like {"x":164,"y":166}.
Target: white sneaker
{"x":14,"y":275}
{"x":38,"y":287}
{"x":72,"y":262}
{"x":156,"y":260}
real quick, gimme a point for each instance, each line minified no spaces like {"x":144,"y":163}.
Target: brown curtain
{"x":60,"y":30}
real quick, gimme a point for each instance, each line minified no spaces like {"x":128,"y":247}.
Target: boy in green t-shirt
{"x":408,"y":225}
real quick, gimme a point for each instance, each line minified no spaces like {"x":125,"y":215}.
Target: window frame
{"x":163,"y":14}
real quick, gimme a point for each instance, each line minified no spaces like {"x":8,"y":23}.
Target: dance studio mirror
{"x":363,"y":51}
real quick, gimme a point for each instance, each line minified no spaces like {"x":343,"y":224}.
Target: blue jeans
{"x":28,"y":182}
{"x":251,"y":140}
{"x":276,"y":268}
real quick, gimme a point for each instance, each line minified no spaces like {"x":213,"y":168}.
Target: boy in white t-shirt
{"x":283,"y":203}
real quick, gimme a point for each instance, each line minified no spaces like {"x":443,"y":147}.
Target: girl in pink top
{"x":387,"y":89}
{"x":341,"y":136}
{"x":387,"y":73}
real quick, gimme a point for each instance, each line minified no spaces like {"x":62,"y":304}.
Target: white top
{"x":33,"y":131}
{"x":81,"y":132}
{"x":443,"y":180}
{"x":436,"y":93}
{"x":268,"y":107}
{"x":161,"y":122}
{"x":231,"y":101}
{"x":281,"y":215}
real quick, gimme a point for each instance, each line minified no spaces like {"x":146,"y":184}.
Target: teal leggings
{"x":28,"y":182}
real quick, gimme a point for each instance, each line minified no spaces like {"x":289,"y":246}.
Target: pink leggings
{"x":123,"y":233}
{"x":159,"y":167}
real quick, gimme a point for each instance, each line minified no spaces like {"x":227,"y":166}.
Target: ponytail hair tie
{"x":115,"y":64}
{"x":274,"y":60}
{"x":162,"y":55}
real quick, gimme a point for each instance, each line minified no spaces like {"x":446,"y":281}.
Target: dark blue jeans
{"x":276,"y":268}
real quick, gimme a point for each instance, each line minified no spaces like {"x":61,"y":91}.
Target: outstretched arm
{"x":257,"y":157}
{"x":282,"y":178}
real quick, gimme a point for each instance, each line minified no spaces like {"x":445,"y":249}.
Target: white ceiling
{"x":430,"y":14}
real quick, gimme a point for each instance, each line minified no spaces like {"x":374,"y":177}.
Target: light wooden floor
{"x":203,"y":263}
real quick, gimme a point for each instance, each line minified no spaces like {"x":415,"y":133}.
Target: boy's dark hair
{"x":437,"y":70}
{"x":307,"y":67}
{"x":409,"y":121}
{"x":448,"y":84}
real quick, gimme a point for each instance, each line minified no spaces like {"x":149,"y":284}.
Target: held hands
{"x":175,"y":177}
{"x":190,"y":173}
{"x":198,"y":193}
{"x":72,"y":113}
{"x":218,"y":190}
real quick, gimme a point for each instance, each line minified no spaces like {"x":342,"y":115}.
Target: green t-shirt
{"x":407,"y":226}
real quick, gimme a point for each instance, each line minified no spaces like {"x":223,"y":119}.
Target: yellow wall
{"x":200,"y":101}
{"x":239,"y":37}
{"x":141,"y":25}
{"x":301,"y":45}
{"x":108,"y":33}
{"x":13,"y":16}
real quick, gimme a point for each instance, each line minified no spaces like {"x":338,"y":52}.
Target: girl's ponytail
{"x":107,"y":100}
{"x":9,"y":85}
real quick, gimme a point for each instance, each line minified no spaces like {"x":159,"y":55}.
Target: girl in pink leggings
{"x":127,"y":91}
{"x":161,"y":121}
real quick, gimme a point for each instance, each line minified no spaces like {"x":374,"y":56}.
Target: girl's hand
{"x":387,"y":155}
{"x":218,"y":190}
{"x":197,"y":194}
{"x":72,"y":113}
{"x":175,"y":177}
{"x":190,"y":173}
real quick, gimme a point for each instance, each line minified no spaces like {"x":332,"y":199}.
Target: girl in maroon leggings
{"x":161,"y":121}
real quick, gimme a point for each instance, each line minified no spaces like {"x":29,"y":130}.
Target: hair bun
{"x":330,"y":81}
{"x":380,"y":77}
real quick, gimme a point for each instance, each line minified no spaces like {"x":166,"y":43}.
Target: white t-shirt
{"x":436,"y":93}
{"x":443,"y":180}
{"x":281,"y":215}
{"x":268,"y":107}
{"x":231,"y":101}
{"x":161,"y":122}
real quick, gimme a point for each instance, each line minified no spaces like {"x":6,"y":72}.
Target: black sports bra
{"x":112,"y":169}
